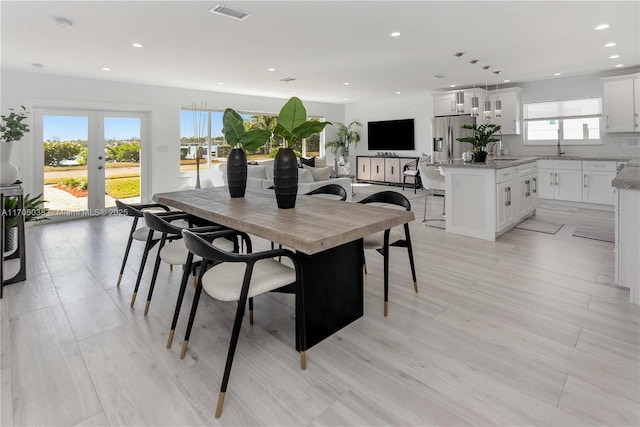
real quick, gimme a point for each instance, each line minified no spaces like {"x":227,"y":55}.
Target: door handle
{"x":392,"y":170}
{"x":528,"y":190}
{"x":586,"y":182}
{"x":506,"y":197}
{"x":100,"y":167}
{"x":535,"y":185}
{"x":556,"y":178}
{"x":551,"y":178}
{"x":377,"y":169}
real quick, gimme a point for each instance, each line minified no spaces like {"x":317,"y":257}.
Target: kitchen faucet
{"x":560,"y":152}
{"x":490,"y":150}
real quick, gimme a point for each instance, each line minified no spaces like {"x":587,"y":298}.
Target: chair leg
{"x":183,"y":287}
{"x":424,"y":218}
{"x":233,"y":344}
{"x":251,"y":311}
{"x":410,"y":251}
{"x":147,"y":247}
{"x":386,"y":273}
{"x":154,"y":276}
{"x":126,"y":251}
{"x":194,"y":308}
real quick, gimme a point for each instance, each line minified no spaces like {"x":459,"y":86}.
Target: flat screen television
{"x":391,"y":135}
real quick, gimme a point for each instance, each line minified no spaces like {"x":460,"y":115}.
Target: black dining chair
{"x":410,"y":170}
{"x":141,"y":233}
{"x":331,"y":190}
{"x":383,"y":240}
{"x":171,"y":249}
{"x":238,"y":277}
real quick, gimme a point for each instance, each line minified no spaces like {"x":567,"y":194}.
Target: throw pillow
{"x":309,"y":162}
{"x":304,"y":176}
{"x":319,"y":174}
{"x":258,"y":172}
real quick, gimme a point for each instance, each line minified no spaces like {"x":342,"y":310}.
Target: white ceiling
{"x":321,"y":44}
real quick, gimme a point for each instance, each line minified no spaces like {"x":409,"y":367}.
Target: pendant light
{"x":460,"y":101}
{"x":475,"y":103}
{"x":487,"y":105}
{"x":498,"y":110}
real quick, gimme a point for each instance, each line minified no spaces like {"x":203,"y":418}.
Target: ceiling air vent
{"x":287,"y":79}
{"x":231,"y":13}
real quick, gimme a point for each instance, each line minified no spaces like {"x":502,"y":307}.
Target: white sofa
{"x":261,"y":176}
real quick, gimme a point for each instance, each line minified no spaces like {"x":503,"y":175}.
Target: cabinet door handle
{"x":392,"y":170}
{"x":377,"y":169}
{"x":528,"y":188}
{"x":556,"y":178}
{"x":607,"y":121}
{"x":506,"y":197}
{"x":551,"y":178}
{"x":535,"y":185}
{"x":585,"y":181}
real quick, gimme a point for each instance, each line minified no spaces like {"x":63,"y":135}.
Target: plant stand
{"x":19,"y":253}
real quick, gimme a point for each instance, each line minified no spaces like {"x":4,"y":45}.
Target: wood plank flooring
{"x":525,"y":330}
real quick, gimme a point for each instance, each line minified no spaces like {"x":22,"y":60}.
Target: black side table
{"x":12,"y":191}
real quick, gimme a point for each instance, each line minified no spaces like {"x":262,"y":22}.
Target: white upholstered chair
{"x":432,"y":181}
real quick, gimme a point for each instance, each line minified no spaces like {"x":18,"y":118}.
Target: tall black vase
{"x":285,"y":178}
{"x":237,"y":172}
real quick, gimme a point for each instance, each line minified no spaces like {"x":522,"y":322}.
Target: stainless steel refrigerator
{"x":445,"y":130}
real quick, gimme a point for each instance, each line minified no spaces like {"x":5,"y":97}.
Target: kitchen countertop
{"x":628,"y":178}
{"x":491,"y":163}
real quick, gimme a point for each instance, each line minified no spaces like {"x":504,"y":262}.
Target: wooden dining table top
{"x":314,"y":225}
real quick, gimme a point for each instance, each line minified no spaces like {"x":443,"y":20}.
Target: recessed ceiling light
{"x":602,"y":27}
{"x":293,"y":93}
{"x":458,"y":54}
{"x":346,"y":83}
{"x":397,"y":93}
{"x":619,"y":65}
{"x":106,"y":69}
{"x":64,"y":23}
{"x":610,"y":44}
{"x":473,"y":61}
{"x":221,"y":83}
{"x":557,"y":74}
{"x":506,"y":81}
{"x":395,"y":34}
{"x":452,"y":85}
{"x":137,"y":45}
{"x":271,"y":69}
{"x":614,"y":56}
{"x":346,"y":99}
{"x":36,"y":65}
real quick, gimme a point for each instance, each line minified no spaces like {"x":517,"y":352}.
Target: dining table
{"x":326,"y":235}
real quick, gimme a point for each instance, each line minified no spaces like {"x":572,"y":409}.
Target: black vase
{"x":285,"y":178}
{"x":479,"y":156}
{"x":237,"y":172}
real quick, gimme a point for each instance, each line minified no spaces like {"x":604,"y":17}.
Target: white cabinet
{"x":510,"y":120}
{"x":377,"y":168}
{"x":444,"y":103}
{"x":505,"y":207}
{"x":627,"y":242}
{"x":525,"y":189}
{"x":621,"y":103}
{"x":364,"y":168}
{"x":560,"y":180}
{"x":596,"y":182}
{"x":392,"y":172}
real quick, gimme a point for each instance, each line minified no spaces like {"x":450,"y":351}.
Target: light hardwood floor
{"x":525,"y":330}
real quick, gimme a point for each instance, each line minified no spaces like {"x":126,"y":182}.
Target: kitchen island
{"x":485,"y":200}
{"x":627,"y":240}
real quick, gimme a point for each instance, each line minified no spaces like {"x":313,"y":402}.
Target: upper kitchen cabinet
{"x":621,"y":99}
{"x":510,"y":120}
{"x":444,"y":103}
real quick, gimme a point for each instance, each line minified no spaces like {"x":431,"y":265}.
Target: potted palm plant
{"x":11,"y":129}
{"x":344,"y":138}
{"x":482,"y":135}
{"x":292,"y":126}
{"x":33,"y":211}
{"x":240,"y":139}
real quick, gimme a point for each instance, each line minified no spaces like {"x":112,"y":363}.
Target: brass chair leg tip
{"x":146,"y":307}
{"x":386,"y":309}
{"x":220,"y":404}
{"x":303,"y":360}
{"x":133,"y":299}
{"x":251,"y":317}
{"x":415,"y":287}
{"x":119,"y":280}
{"x":170,"y":340}
{"x":184,"y":349}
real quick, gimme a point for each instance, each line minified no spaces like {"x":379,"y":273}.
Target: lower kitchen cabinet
{"x":560,"y":180}
{"x":596,"y":182}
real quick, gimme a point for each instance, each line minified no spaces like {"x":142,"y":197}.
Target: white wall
{"x":36,"y":89}
{"x":418,"y":106}
{"x":613,"y":144}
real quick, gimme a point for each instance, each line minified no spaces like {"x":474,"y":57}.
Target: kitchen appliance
{"x":445,"y":130}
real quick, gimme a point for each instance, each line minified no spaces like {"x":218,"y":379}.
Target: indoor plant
{"x":482,"y":135}
{"x":292,"y":126}
{"x":238,"y":137}
{"x":11,"y":129}
{"x":33,"y":211}
{"x":344,"y":138}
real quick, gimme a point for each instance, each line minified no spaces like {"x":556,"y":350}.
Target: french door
{"x":89,"y":159}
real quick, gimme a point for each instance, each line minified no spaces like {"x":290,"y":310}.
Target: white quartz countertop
{"x":628,"y":178}
{"x":491,"y":163}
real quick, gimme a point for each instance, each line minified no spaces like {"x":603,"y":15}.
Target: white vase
{"x":8,"y":171}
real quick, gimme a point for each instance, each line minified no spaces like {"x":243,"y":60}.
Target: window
{"x":572,"y":122}
{"x":201,"y":132}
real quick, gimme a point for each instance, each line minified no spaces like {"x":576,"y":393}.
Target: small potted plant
{"x":12,"y":129}
{"x":292,"y":126}
{"x":344,"y":138}
{"x":240,"y":139}
{"x":482,"y":135}
{"x":33,"y":211}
